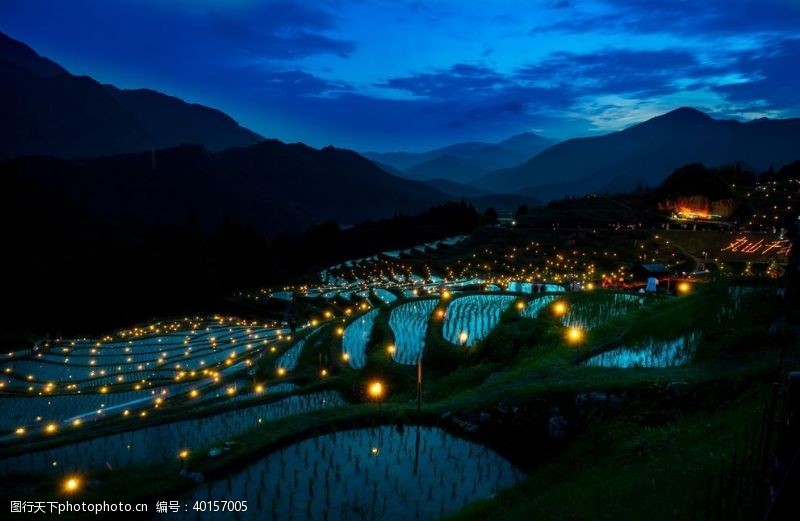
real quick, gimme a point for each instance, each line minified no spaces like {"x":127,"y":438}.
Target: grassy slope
{"x":624,"y":469}
{"x":634,"y":467}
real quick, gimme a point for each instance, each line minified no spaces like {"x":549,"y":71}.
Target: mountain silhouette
{"x":648,"y":152}
{"x":48,"y":111}
{"x":448,"y":167}
{"x":463,"y":162}
{"x":275,"y":186}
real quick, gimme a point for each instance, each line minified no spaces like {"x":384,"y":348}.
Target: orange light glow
{"x":574,"y":335}
{"x":691,"y":213}
{"x":375,"y":390}
{"x":72,"y":484}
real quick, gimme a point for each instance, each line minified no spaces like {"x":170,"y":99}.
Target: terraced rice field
{"x":534,"y":287}
{"x":650,"y":353}
{"x":161,"y":443}
{"x":385,"y":296}
{"x":288,"y":360}
{"x":591,"y":314}
{"x":409,"y":324}
{"x":535,"y":306}
{"x":41,"y":410}
{"x":241,"y":389}
{"x":81,"y":364}
{"x":355,"y":339}
{"x":469,"y":319}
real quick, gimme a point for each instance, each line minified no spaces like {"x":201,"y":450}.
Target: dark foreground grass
{"x":623,"y":469}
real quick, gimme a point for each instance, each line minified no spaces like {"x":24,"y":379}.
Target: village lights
{"x":281,"y":371}
{"x":51,"y":428}
{"x":391,"y":349}
{"x":463,"y":337}
{"x":684,"y":287}
{"x":520,"y":305}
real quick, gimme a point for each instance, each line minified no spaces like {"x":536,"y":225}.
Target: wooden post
{"x":419,"y":383}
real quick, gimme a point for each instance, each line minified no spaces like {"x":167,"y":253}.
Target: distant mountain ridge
{"x":48,"y":111}
{"x":278,"y":187}
{"x":463,"y":162}
{"x":646,"y":153}
{"x":455,"y":189}
{"x":453,"y":168}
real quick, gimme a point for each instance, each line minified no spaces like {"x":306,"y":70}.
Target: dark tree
{"x":490,"y":216}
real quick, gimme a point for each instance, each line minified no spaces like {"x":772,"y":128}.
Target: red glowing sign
{"x":759,"y":247}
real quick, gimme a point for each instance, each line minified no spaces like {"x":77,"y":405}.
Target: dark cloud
{"x":775,"y":73}
{"x":458,"y":81}
{"x":300,"y":44}
{"x":299,"y":83}
{"x":689,"y":17}
{"x":616,"y":71}
{"x":473,"y":96}
{"x":418,"y":123}
{"x":281,"y":31}
{"x":560,"y":77}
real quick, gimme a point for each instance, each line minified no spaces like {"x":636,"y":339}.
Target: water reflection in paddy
{"x":377,"y":473}
{"x":651,"y":353}
{"x":161,"y":443}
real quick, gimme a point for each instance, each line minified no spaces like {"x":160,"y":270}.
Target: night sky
{"x":395,"y":75}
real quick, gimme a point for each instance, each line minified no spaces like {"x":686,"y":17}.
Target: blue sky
{"x":396,"y":75}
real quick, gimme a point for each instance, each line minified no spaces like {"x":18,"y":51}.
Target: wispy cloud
{"x":280,"y":30}
{"x":457,"y":81}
